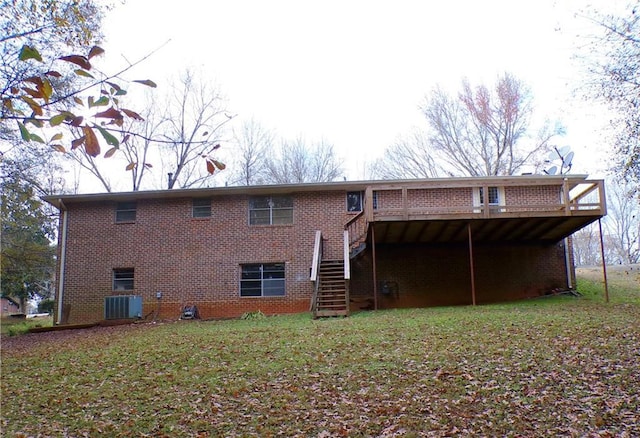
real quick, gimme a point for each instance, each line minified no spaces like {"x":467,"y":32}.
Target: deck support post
{"x":375,"y":276}
{"x":604,"y":264}
{"x":473,"y":282}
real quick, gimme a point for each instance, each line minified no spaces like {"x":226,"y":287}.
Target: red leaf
{"x":34,"y":80}
{"x":111,"y":113}
{"x":33,"y":93}
{"x":77,"y":142}
{"x":130,"y":166}
{"x":77,"y":121}
{"x":91,"y":145}
{"x":77,"y":60}
{"x":37,"y":109}
{"x":95,"y":51}
{"x":147,"y":82}
{"x":59,"y":148}
{"x":134,"y":115}
{"x":110,"y":152}
{"x":53,"y":73}
{"x":210,"y":167}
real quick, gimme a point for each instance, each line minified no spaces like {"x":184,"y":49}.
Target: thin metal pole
{"x":375,"y":277}
{"x":604,"y":264}
{"x":473,"y":282}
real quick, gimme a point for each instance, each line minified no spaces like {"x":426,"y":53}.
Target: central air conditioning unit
{"x":123,"y":307}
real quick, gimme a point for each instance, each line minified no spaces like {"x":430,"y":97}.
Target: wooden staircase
{"x":332,"y":298}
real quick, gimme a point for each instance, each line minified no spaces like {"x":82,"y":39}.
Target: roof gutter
{"x":63,"y":254}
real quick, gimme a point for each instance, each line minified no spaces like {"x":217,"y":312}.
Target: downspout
{"x":63,"y":253}
{"x":567,"y":206}
{"x":567,"y":263}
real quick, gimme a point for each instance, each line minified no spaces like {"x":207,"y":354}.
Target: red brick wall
{"x":436,"y":275}
{"x":197,"y":261}
{"x":194,"y":261}
{"x":433,"y":198}
{"x":531,"y":196}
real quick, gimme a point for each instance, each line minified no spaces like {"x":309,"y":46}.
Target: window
{"x":201,"y":207}
{"x":126,"y":212}
{"x":271,"y":210}
{"x":123,"y":279}
{"x":354,"y":202}
{"x":494,"y":197}
{"x":262,"y":280}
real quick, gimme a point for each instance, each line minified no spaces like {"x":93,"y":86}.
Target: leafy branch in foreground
{"x":39,"y":102}
{"x":85,"y":118}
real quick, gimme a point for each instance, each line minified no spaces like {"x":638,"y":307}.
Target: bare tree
{"x":93,"y":165}
{"x":194,"y":127}
{"x":623,"y":224}
{"x":408,"y":157}
{"x":138,"y":149}
{"x":586,"y":246}
{"x":612,"y":58}
{"x":485,"y":132}
{"x":251,"y":142}
{"x":294,"y":162}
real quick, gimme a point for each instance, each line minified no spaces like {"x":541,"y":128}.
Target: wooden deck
{"x":580,"y":202}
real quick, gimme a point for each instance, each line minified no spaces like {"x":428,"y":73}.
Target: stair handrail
{"x":315,"y":268}
{"x":357,"y":228}
{"x":345,"y":255}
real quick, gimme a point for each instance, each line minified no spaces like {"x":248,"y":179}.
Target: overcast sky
{"x":355,"y":72}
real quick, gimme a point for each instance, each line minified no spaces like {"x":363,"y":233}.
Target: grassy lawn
{"x":16,"y":326}
{"x":554,"y":366}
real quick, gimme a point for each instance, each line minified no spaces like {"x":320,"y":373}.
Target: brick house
{"x":324,"y":247}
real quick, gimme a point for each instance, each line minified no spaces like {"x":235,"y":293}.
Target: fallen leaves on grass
{"x":564,"y":367}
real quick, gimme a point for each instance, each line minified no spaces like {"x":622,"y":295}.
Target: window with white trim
{"x":495,"y":196}
{"x":201,"y":207}
{"x":123,"y":278}
{"x":126,"y":212}
{"x":271,"y":210}
{"x":262,"y":280}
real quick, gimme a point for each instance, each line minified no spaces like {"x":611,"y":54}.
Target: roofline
{"x":57,"y":200}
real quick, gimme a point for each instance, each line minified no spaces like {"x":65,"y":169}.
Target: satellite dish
{"x":563,"y":151}
{"x":567,"y":161}
{"x":552,"y":171}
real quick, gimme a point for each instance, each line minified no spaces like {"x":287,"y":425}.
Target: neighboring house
{"x":368,"y":244}
{"x":9,"y":306}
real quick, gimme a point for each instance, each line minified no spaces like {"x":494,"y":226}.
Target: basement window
{"x":262,"y":280}
{"x":126,"y":212}
{"x":123,"y":278}
{"x":201,"y":207}
{"x":271,"y":210}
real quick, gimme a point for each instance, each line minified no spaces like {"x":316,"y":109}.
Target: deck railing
{"x":356,"y":229}
{"x":585,"y":198}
